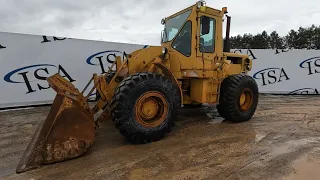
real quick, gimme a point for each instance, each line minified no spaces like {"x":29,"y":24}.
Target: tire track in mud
{"x":285,"y":142}
{"x":201,"y":146}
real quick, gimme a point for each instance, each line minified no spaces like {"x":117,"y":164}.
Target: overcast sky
{"x":138,"y":21}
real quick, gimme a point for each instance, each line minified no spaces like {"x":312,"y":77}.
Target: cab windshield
{"x":173,"y":25}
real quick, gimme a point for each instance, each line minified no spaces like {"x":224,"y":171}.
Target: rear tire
{"x":162,"y":100}
{"x":238,"y":98}
{"x":221,"y":111}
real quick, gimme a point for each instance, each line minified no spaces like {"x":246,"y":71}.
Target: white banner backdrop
{"x":26,"y":60}
{"x":285,"y":71}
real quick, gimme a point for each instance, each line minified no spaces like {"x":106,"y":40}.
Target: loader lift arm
{"x":69,"y":129}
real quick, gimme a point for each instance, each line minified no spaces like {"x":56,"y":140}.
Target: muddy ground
{"x":281,"y":141}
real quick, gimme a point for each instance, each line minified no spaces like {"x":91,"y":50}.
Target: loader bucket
{"x":66,"y":133}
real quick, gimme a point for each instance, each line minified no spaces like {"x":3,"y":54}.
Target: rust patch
{"x":70,"y":148}
{"x":67,"y":133}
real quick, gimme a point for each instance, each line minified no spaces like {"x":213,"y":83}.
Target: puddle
{"x":293,"y":145}
{"x":305,"y":169}
{"x":216,"y":120}
{"x":211,"y":115}
{"x":280,"y":150}
{"x":288,"y":147}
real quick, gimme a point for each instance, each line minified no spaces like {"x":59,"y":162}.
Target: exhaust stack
{"x":226,"y":44}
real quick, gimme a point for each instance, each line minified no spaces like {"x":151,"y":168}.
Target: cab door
{"x":206,"y":42}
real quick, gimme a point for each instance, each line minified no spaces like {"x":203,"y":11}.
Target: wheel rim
{"x":151,"y":109}
{"x":245,"y":99}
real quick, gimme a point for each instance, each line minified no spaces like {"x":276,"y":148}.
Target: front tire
{"x":238,"y":98}
{"x":144,"y":107}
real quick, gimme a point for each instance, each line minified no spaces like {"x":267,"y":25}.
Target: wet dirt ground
{"x":281,"y":141}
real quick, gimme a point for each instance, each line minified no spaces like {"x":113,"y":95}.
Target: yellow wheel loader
{"x":143,"y":91}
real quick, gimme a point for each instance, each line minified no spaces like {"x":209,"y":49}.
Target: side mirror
{"x":205,"y":22}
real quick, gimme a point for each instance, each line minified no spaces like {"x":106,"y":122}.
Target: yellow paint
{"x":196,"y":74}
{"x":200,"y":73}
{"x":203,"y":90}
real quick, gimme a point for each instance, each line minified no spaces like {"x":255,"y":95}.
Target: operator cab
{"x":178,"y":29}
{"x":193,"y":37}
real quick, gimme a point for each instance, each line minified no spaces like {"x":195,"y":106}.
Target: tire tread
{"x":230,"y":91}
{"x":126,"y":126}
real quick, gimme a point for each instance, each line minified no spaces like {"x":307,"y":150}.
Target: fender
{"x":171,"y":76}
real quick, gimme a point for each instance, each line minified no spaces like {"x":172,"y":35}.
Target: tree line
{"x":302,"y":38}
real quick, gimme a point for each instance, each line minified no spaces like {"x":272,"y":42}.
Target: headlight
{"x":248,"y":67}
{"x":247,"y":64}
{"x":200,"y":4}
{"x":164,"y":50}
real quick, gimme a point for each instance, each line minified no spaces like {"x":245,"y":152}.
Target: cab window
{"x":182,"y":42}
{"x":207,"y":41}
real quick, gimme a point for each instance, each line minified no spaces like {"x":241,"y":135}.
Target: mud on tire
{"x":230,"y":101}
{"x":128,"y":96}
